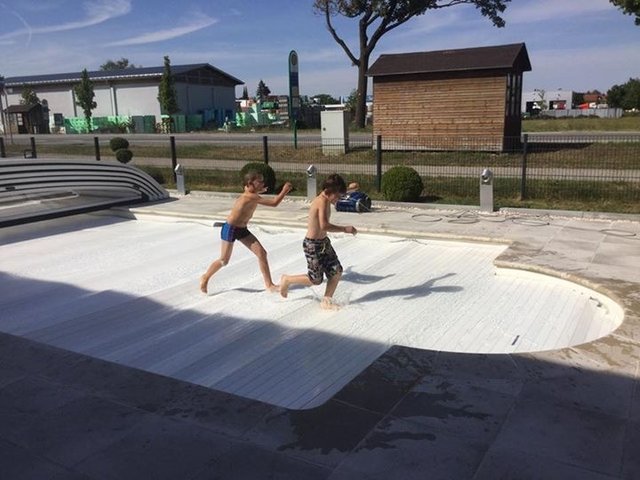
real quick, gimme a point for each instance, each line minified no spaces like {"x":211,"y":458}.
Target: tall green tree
{"x":85,"y":97}
{"x":29,"y":97}
{"x":376,"y":18}
{"x":122,"y":64}
{"x":167,"y":95}
{"x":625,"y":96}
{"x":263,"y":91}
{"x":245,"y":93}
{"x":629,"y":7}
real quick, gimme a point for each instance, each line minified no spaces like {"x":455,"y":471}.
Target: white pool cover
{"x":127,"y":291}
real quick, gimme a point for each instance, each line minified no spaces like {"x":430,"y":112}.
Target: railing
{"x":594,"y":169}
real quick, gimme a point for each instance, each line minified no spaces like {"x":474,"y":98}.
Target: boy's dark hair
{"x":250,"y":176}
{"x":334,"y":183}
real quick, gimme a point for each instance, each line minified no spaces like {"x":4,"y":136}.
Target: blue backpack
{"x":354,"y":202}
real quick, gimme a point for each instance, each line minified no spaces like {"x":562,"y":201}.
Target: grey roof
{"x":499,"y":57}
{"x":128,"y":73}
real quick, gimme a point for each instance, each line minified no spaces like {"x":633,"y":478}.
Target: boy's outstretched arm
{"x":275,"y":201}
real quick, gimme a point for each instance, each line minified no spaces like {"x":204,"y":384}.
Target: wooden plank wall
{"x":442,"y":113}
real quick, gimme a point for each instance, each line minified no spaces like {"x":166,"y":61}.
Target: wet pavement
{"x":569,"y":413}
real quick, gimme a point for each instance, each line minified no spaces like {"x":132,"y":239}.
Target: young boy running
{"x":321,"y":257}
{"x":235,"y":228}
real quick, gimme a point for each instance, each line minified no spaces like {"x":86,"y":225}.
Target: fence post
{"x":523,"y":178}
{"x":174,"y":157}
{"x":3,"y":152}
{"x":379,"y":162}
{"x":265,"y":149}
{"x":34,"y":154}
{"x":96,"y":144}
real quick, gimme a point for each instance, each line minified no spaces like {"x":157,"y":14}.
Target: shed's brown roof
{"x":499,"y":57}
{"x":21,"y":108}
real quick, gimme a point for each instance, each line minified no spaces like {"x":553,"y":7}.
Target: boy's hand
{"x":350,"y":229}
{"x":287,"y":187}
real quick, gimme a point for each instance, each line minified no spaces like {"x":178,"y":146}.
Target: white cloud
{"x":196,"y":24}
{"x":542,"y":10}
{"x":97,"y":11}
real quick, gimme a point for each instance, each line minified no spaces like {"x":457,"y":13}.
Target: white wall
{"x":136,"y":99}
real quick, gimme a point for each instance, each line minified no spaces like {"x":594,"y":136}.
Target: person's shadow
{"x":416,"y":291}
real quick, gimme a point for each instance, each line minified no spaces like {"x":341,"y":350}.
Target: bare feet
{"x":273,"y":288}
{"x":328,"y":304}
{"x":284,"y":286}
{"x":203,"y":284}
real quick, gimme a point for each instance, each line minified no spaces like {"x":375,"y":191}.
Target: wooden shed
{"x":27,"y":118}
{"x":464,"y":99}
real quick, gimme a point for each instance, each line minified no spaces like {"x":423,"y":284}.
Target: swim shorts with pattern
{"x":321,"y":259}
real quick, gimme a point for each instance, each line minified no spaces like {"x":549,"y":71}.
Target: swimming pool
{"x":127,"y":291}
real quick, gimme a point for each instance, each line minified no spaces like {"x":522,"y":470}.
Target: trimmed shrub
{"x":402,"y":184}
{"x":265,"y":170}
{"x":117,"y":143}
{"x":124,"y":155}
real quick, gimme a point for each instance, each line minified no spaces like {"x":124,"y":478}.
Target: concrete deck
{"x":414,"y":413}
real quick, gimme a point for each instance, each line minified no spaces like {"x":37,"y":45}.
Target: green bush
{"x":118,"y":143}
{"x":265,"y":170}
{"x":402,"y":184}
{"x":124,"y":155}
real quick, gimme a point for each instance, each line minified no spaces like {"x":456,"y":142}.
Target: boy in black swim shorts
{"x":321,"y":257}
{"x":235,"y":228}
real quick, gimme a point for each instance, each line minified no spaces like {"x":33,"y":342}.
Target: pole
{"x":3,"y":152}
{"x":34,"y":154}
{"x":265,"y":149}
{"x":379,"y":161}
{"x":295,"y":134}
{"x":96,"y":143}
{"x":523,"y":178}
{"x":174,"y":157}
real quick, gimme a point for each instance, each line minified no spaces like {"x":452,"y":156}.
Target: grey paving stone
{"x":385,"y":382}
{"x":17,"y":463}
{"x":29,"y":355}
{"x":323,"y":435}
{"x":631,"y":459}
{"x":218,"y":411}
{"x":244,"y":462}
{"x":507,"y":464}
{"x":457,"y":406}
{"x":9,"y":374}
{"x":77,"y":429}
{"x":406,"y":451}
{"x":158,"y":449}
{"x":607,"y":392}
{"x":583,"y":438}
{"x":127,"y":385}
{"x":25,"y":400}
{"x":476,"y":366}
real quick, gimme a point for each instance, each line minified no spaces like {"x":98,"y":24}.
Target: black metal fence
{"x":586,"y":171}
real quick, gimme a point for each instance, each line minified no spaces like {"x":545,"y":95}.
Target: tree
{"x":541,"y":103}
{"x":325,"y":99}
{"x":263,"y":91}
{"x":625,"y":96}
{"x":84,"y":97}
{"x":245,"y":93}
{"x":629,"y":7}
{"x":122,"y":64}
{"x":167,"y":95}
{"x":29,"y":97}
{"x":382,"y":16}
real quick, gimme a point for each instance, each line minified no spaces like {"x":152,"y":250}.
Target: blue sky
{"x":573,"y":44}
